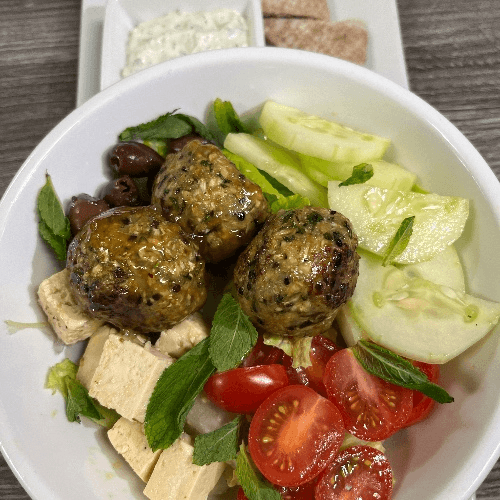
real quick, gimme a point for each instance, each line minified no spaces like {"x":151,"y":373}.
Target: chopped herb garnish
{"x":360,"y":174}
{"x":53,"y":225}
{"x":220,"y":445}
{"x":388,"y":366}
{"x":400,"y":240}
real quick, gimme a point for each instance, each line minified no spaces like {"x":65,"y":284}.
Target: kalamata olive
{"x":176,"y":145}
{"x":82,"y":208}
{"x":121,"y":192}
{"x":134,"y":159}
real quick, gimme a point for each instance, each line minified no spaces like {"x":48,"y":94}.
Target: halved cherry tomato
{"x":263,"y":354}
{"x":372,"y":408}
{"x":302,"y":492}
{"x":242,"y":390}
{"x":241,"y":494}
{"x":322,"y":349}
{"x":422,"y":404}
{"x":357,"y":473}
{"x":294,"y":434}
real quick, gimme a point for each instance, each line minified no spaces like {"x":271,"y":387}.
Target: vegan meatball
{"x":130,"y":267}
{"x":200,"y":189}
{"x":296,"y":273}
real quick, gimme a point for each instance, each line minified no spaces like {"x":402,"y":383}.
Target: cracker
{"x":343,"y":39}
{"x":314,"y":9}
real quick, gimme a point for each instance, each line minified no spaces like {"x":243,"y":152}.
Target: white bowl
{"x":446,"y":457}
{"x":121,"y":16}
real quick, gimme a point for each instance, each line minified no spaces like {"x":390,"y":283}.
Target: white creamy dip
{"x":181,"y":33}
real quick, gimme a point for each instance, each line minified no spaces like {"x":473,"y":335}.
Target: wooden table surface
{"x":452,"y":50}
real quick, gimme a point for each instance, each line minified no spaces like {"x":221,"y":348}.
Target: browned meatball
{"x":200,"y":189}
{"x":297,"y":271}
{"x":135,"y":270}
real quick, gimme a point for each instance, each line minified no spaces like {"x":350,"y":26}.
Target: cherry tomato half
{"x":263,"y":354}
{"x":372,"y":408}
{"x":322,"y":349}
{"x":422,"y":404}
{"x":357,"y":473}
{"x":241,"y":494}
{"x":294,"y":434}
{"x":242,"y":390}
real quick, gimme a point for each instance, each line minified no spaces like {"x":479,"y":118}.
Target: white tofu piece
{"x":70,"y":322}
{"x":126,"y":376}
{"x":184,"y":336}
{"x":130,"y":442}
{"x":90,"y":358}
{"x":175,"y":477}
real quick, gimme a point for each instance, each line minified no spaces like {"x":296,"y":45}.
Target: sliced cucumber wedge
{"x":385,"y":174}
{"x":414,"y":317}
{"x":314,"y":136}
{"x":377,"y":213}
{"x":279,"y":163}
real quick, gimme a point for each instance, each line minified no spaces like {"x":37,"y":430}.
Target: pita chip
{"x":314,"y":9}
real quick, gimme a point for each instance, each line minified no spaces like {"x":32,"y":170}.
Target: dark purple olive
{"x":134,"y":159}
{"x":83,"y":208}
{"x":121,"y":192}
{"x":175,"y":145}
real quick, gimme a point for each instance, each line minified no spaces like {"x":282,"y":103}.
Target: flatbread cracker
{"x":343,"y":39}
{"x":314,"y":9}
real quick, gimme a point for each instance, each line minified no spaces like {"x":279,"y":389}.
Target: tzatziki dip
{"x":182,"y":33}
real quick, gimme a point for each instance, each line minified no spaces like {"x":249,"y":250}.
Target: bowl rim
{"x":474,"y":162}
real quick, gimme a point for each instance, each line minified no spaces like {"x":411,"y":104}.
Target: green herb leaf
{"x":53,"y":225}
{"x":217,"y":446}
{"x":252,"y":482}
{"x":288,"y":202}
{"x":360,"y":174}
{"x":62,"y":377}
{"x":174,"y":395}
{"x":389,"y":366}
{"x":227,"y":119}
{"x":400,"y":241}
{"x":167,"y":126}
{"x":232,"y":335}
{"x":161,"y":147}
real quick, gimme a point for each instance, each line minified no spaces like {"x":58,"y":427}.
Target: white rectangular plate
{"x":385,"y":49}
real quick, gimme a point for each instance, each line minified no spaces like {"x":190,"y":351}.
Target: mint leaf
{"x":232,"y":335}
{"x":62,"y":377}
{"x":167,"y":126}
{"x":53,"y":225}
{"x":217,"y":446}
{"x":389,"y":366}
{"x":252,"y":482}
{"x":174,"y":394}
{"x":78,"y":402}
{"x":227,"y":119}
{"x":400,"y":240}
{"x":360,"y":174}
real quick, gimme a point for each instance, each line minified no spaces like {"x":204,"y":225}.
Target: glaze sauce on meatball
{"x":135,"y":270}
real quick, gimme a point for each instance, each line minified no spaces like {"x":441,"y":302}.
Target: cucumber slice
{"x":444,"y":269}
{"x":377,"y":213}
{"x":315,"y":136}
{"x":417,"y":318}
{"x":385,"y":174}
{"x":279,"y":163}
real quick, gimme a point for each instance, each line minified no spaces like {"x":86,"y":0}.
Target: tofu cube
{"x":175,"y":476}
{"x":184,"y":336}
{"x":90,"y":359}
{"x":70,"y":322}
{"x":126,"y":376}
{"x":130,"y":442}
